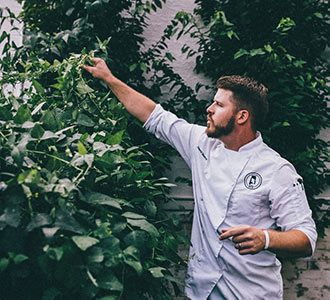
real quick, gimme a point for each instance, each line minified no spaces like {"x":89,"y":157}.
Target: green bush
{"x":80,"y":209}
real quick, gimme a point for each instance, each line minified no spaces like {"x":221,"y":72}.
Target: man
{"x":250,"y":203}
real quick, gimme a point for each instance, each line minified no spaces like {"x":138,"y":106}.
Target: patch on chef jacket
{"x":252,"y":181}
{"x":299,"y":185}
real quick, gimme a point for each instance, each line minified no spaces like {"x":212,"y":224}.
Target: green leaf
{"x":169,"y":56}
{"x":48,"y":135}
{"x":318,"y":15}
{"x":132,"y":215}
{"x":40,"y":90}
{"x":109,"y":281}
{"x":4,"y":262}
{"x":143,"y":67}
{"x":83,"y":88}
{"x":116,"y":138}
{"x":157,"y":272}
{"x":81,"y":148}
{"x":131,"y":255}
{"x":144,"y":225}
{"x":23,"y":114}
{"x":240,"y":53}
{"x":112,"y":251}
{"x":132,"y":67}
{"x":102,"y":199}
{"x":49,"y":120}
{"x":84,"y":242}
{"x":150,"y":208}
{"x":258,"y":51}
{"x":84,"y":120}
{"x":37,"y":131}
{"x":19,"y":258}
{"x":95,"y":255}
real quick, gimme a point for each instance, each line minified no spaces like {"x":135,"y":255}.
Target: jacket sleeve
{"x":175,"y":131}
{"x":289,"y":205}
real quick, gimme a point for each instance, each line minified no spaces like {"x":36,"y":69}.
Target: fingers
{"x":233,"y":231}
{"x":245,"y":248}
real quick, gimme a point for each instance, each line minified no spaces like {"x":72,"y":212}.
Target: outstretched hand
{"x":247,"y":239}
{"x":99,"y":70}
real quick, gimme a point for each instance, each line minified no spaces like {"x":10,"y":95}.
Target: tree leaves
{"x":84,"y":242}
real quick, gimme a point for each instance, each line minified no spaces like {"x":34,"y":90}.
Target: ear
{"x":242,"y":116}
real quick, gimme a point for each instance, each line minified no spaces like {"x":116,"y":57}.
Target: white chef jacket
{"x":253,"y":186}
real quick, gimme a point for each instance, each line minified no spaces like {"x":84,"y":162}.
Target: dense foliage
{"x":80,"y":209}
{"x":280,"y":43}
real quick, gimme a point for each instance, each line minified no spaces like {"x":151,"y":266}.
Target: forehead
{"x":224,"y":96}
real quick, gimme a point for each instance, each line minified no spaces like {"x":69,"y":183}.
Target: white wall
{"x":16,"y":35}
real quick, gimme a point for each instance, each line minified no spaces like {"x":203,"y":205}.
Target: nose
{"x":209,"y":109}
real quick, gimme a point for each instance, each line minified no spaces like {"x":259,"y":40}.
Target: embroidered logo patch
{"x":252,"y":181}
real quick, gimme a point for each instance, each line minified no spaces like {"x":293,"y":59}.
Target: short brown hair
{"x":248,"y":94}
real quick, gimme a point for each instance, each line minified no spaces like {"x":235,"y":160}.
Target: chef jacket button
{"x":199,"y":259}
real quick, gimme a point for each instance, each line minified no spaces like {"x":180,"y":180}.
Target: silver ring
{"x":239,"y":246}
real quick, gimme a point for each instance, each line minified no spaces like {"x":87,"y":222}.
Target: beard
{"x":220,"y":131}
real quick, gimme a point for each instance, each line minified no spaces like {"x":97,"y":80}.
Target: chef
{"x":250,"y":204}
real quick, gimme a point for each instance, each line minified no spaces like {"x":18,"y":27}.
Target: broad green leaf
{"x":84,"y":242}
{"x":49,"y":120}
{"x":83,"y":88}
{"x":23,"y":114}
{"x":116,"y":138}
{"x":95,"y":255}
{"x":144,"y":225}
{"x":109,"y":281}
{"x":132,"y":215}
{"x":40,"y":90}
{"x":157,"y":272}
{"x":11,"y":216}
{"x":84,"y":120}
{"x":132,"y":67}
{"x":102,"y":199}
{"x":112,"y":251}
{"x":19,"y":258}
{"x":81,"y":148}
{"x":132,"y":258}
{"x":139,"y":239}
{"x":37,"y":131}
{"x":39,"y":220}
{"x":255,"y":52}
{"x":240,"y":53}
{"x":67,"y":222}
{"x":151,"y":208}
{"x":37,"y":108}
{"x":48,"y":135}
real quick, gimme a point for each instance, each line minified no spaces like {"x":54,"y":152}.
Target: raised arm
{"x":136,"y":104}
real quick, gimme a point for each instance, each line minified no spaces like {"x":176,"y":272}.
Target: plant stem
{"x":55,"y":157}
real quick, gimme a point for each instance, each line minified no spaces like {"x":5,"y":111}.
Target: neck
{"x":236,"y":140}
